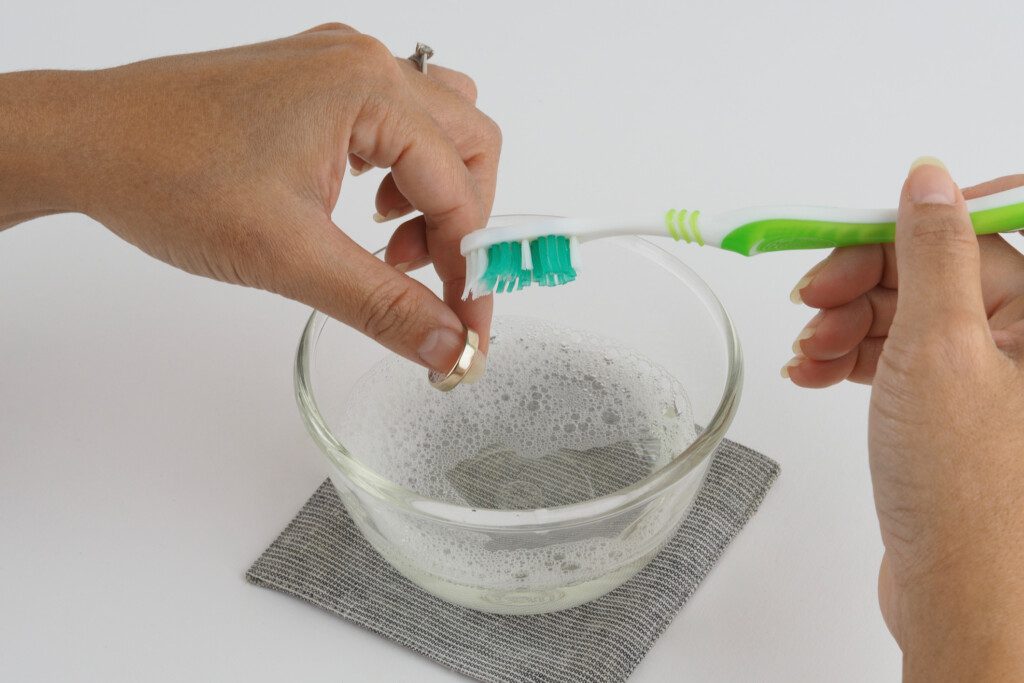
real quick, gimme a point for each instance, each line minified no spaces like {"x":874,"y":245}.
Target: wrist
{"x":964,"y":625}
{"x":41,"y":150}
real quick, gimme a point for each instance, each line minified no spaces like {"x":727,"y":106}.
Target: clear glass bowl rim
{"x":392,"y":494}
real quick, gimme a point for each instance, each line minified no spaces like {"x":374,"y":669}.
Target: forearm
{"x":40,"y":116}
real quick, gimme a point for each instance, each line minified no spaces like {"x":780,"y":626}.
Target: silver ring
{"x":420,"y":57}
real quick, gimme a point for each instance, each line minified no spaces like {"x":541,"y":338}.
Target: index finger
{"x":846,"y":274}
{"x":1007,"y":182}
{"x":431,"y":174}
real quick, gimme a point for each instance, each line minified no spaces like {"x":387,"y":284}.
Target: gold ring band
{"x":454,"y":377}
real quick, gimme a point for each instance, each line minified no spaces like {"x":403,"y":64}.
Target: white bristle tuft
{"x":476,"y":272}
{"x":482,"y":269}
{"x":527,"y":256}
{"x":574,"y":253}
{"x":472,"y":273}
{"x":470,"y":276}
{"x":479,"y":287}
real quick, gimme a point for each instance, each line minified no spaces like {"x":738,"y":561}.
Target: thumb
{"x":351,"y":285}
{"x":937,"y":254}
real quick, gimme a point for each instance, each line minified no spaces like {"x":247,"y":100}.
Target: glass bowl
{"x":548,"y":511}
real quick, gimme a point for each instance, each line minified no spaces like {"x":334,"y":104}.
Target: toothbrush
{"x":547,"y":251}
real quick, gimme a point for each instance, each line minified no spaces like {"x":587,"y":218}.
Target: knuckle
{"x":493,"y":131}
{"x":388,"y":311}
{"x":333,"y":26}
{"x":873,"y":301}
{"x":371,"y":50}
{"x":378,"y":109}
{"x":381,"y":129}
{"x":465,"y":85}
{"x":360,"y":56}
{"x":489,"y":132}
{"x":940,"y":226}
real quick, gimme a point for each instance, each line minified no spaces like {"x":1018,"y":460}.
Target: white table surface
{"x":149,"y":443}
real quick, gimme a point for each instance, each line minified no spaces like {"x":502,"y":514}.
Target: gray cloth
{"x":321,"y":558}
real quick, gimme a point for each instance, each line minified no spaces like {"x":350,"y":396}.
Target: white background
{"x":149,"y":444}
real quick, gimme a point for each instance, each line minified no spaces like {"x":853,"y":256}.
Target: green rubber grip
{"x":785,"y":234}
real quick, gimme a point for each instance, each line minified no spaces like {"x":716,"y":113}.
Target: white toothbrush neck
{"x":698,"y":227}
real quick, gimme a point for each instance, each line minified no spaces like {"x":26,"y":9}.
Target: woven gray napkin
{"x":321,"y":558}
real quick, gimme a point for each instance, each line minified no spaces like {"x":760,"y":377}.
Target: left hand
{"x":229,"y":164}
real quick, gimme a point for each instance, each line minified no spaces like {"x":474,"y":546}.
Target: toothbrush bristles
{"x":548,"y":261}
{"x":527,"y":258}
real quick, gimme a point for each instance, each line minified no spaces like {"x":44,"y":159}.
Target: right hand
{"x":856,"y":289}
{"x":945,"y":435}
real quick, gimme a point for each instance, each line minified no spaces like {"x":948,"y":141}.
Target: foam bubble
{"x":561,"y":416}
{"x":567,"y":412}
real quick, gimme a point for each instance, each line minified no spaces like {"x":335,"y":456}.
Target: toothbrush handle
{"x":756,"y":231}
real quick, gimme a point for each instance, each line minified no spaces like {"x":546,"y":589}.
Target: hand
{"x":228,"y":164}
{"x":856,"y":290}
{"x":946,"y":441}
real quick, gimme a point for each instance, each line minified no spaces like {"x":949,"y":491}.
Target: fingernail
{"x":391,"y":215}
{"x":407,"y":266}
{"x":794,"y":295}
{"x":441,"y":348}
{"x":927,"y":161}
{"x":809,"y":329}
{"x":930,"y":182}
{"x":795,"y":361}
{"x":353,"y":171}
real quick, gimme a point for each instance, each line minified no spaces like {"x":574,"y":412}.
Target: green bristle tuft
{"x":552,"y":265}
{"x":504,"y":267}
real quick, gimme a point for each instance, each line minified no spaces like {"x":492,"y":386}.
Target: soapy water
{"x":561,"y":417}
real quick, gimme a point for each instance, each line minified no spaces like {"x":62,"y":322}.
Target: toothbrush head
{"x":548,"y":261}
